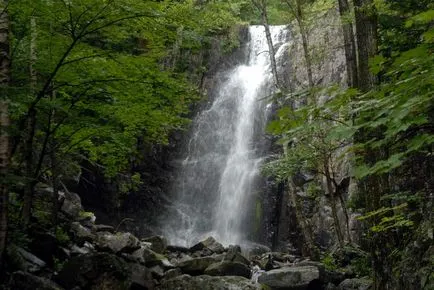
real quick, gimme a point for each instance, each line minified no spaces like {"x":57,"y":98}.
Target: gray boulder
{"x":172,"y":273}
{"x":356,"y":284}
{"x":81,"y":234}
{"x":117,"y":243}
{"x":205,"y":282}
{"x":234,"y":255}
{"x":141,"y":277}
{"x":104,"y":228}
{"x":209,"y":243}
{"x":71,"y":205}
{"x":26,"y":281}
{"x":228,"y":268}
{"x":197,"y":266}
{"x":22,"y":260}
{"x":158,"y":243}
{"x":255,"y":249}
{"x":291,"y":278}
{"x":150,"y":258}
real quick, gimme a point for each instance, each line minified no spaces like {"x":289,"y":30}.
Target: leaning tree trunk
{"x":297,"y":11}
{"x":262,"y":7}
{"x":4,"y":125}
{"x":305,"y":41}
{"x":349,"y":43}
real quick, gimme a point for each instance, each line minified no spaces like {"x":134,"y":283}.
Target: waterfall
{"x":216,"y":184}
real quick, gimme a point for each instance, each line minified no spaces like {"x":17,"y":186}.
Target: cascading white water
{"x":216,"y":181}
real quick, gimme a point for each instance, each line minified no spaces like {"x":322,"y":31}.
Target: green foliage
{"x":62,"y":236}
{"x":329,"y":262}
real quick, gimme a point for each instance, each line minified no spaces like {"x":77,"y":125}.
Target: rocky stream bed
{"x":96,"y":256}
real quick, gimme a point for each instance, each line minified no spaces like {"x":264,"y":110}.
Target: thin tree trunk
{"x":31,"y":126}
{"x":54,"y":170}
{"x":262,"y":7}
{"x":347,"y":217}
{"x":331,"y":192}
{"x":4,"y":125}
{"x":349,"y":44}
{"x":304,"y":38}
{"x":297,"y":11}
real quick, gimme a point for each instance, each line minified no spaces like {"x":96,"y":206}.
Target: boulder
{"x":326,"y":275}
{"x":95,"y":271}
{"x":150,"y":258}
{"x":104,"y":228}
{"x":157,"y":271}
{"x":205,"y":282}
{"x":228,"y":268}
{"x":81,"y":234}
{"x":180,"y":249}
{"x":255,"y":249}
{"x":117,"y":243}
{"x":141,"y":277}
{"x":26,"y":281}
{"x":266,"y":262}
{"x":291,"y":278}
{"x":76,"y":250}
{"x":197,"y":266}
{"x":209,"y":243}
{"x":22,"y":260}
{"x":158,"y":243}
{"x":87,"y":219}
{"x":356,"y":284}
{"x":172,"y":273}
{"x":71,"y":205}
{"x":234,"y":255}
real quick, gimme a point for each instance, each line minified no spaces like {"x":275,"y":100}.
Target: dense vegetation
{"x":90,"y":81}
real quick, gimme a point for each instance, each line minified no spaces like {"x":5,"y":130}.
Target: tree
{"x":366,"y":33}
{"x":261,"y":5}
{"x":296,"y":8}
{"x":4,"y":126}
{"x":349,"y":43}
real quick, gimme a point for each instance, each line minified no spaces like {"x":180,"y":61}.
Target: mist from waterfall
{"x":216,"y":184}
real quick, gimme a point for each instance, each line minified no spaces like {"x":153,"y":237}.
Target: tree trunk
{"x":297,"y":11}
{"x":262,"y":7}
{"x":305,"y":40}
{"x":371,"y":187}
{"x":306,"y":231}
{"x":4,"y":125}
{"x":349,"y":44}
{"x":31,"y":127}
{"x":333,"y":206}
{"x":366,"y":32}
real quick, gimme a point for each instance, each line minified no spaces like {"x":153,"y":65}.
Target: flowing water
{"x":217,"y":181}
